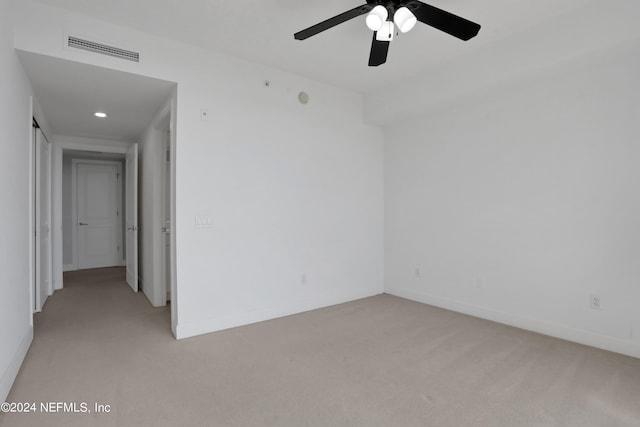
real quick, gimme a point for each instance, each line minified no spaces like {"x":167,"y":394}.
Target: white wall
{"x":519,"y":205}
{"x":292,"y":190}
{"x":16,"y":330}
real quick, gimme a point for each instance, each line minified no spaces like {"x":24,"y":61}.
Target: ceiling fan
{"x":383,"y":16}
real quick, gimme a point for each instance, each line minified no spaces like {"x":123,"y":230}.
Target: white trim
{"x":74,"y":204}
{"x":38,"y":246}
{"x":214,"y":324}
{"x":91,"y":144}
{"x":74,"y":215}
{"x":56,"y":221}
{"x":9,"y":376}
{"x":542,"y":327}
{"x":49,"y":215}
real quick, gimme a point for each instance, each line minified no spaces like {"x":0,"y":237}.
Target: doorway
{"x":98,"y":213}
{"x":134,"y":104}
{"x":98,"y":203}
{"x":156,"y":209}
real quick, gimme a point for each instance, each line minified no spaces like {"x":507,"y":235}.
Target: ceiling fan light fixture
{"x":404,"y":19}
{"x":383,"y":16}
{"x":385,"y":34}
{"x":377,"y":17}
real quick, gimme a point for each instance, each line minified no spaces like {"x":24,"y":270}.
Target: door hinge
{"x":118,"y":248}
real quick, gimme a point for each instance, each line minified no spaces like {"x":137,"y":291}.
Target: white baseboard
{"x":69,"y":267}
{"x":214,"y":324}
{"x":9,"y":375}
{"x":540,"y":326}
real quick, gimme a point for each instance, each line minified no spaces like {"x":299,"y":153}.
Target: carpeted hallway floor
{"x":380,"y":361}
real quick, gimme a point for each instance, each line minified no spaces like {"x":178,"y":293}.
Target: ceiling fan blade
{"x":379,"y":52}
{"x":332,"y":22}
{"x":445,"y":21}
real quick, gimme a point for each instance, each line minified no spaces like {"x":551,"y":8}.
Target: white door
{"x":43,"y":285}
{"x":131,"y":222}
{"x":98,"y":215}
{"x":167,"y":216}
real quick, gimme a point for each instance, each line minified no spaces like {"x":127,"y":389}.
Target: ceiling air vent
{"x":104,"y":49}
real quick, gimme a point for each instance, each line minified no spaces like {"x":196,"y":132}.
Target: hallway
{"x":91,"y":338}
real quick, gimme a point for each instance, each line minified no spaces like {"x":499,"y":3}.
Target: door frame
{"x":59,"y":145}
{"x":74,"y":206}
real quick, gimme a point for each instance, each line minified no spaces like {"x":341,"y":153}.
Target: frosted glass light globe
{"x":377,"y":17}
{"x":404,"y":19}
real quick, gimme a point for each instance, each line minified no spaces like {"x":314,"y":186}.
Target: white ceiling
{"x":262,"y":31}
{"x":70,"y":92}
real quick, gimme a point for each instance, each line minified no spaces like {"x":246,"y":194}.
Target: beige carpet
{"x":380,"y":361}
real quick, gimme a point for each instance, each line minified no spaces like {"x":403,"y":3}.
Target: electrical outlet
{"x":594,"y":301}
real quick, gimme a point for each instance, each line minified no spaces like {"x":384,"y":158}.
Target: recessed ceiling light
{"x":100,"y":114}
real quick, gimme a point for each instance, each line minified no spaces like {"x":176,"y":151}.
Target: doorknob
{"x":82,"y":223}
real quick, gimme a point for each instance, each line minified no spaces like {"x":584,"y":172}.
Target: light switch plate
{"x":204,"y":221}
